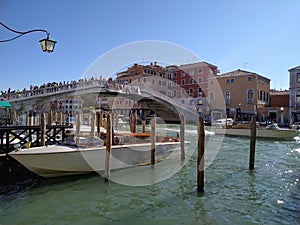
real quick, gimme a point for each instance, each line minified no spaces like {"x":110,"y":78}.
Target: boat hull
{"x":56,"y":160}
{"x":260,"y":133}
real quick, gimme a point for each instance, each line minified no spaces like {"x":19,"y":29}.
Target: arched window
{"x":250,"y":96}
{"x":227,"y":97}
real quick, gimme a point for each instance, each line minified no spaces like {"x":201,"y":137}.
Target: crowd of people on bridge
{"x":46,"y":88}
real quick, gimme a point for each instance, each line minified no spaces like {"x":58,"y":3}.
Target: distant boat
{"x":271,"y":131}
{"x":63,"y":160}
{"x":222,"y":123}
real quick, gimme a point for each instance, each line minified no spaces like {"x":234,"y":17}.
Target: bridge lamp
{"x":46,"y":44}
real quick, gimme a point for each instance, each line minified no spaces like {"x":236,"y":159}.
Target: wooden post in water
{"x":27,"y":119}
{"x":153,"y":139}
{"x":61,"y":118}
{"x":55,"y":118}
{"x":68,"y":119}
{"x":117,"y":121}
{"x":182,"y":137}
{"x":49,"y":118}
{"x":43,"y":129}
{"x":34,"y":118}
{"x":108,"y":147}
{"x":252,"y":142}
{"x":101,"y":119}
{"x":78,"y":123}
{"x":134,"y":121}
{"x":144,"y":125}
{"x":92,"y":125}
{"x":98,"y":123}
{"x":200,"y":160}
{"x":130,"y":123}
{"x":30,"y":118}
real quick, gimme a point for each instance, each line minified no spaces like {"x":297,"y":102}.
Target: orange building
{"x":240,"y":94}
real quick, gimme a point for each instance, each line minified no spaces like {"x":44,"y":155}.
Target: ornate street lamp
{"x":46,"y":44}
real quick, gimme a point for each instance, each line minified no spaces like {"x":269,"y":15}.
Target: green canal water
{"x":167,"y":194}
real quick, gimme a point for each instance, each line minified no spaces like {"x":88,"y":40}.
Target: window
{"x":145,"y":80}
{"x":191,"y":81}
{"x":199,"y":92}
{"x":249,"y":78}
{"x":182,"y":73}
{"x":191,"y":72}
{"x":232,"y":80}
{"x":298,"y":97}
{"x":298,"y":78}
{"x":191,"y":92}
{"x":200,"y":71}
{"x":250,"y":96}
{"x":182,"y":82}
{"x":227,"y":97}
{"x":200,"y":80}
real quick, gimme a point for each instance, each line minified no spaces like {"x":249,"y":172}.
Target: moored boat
{"x":272,"y":131}
{"x":63,"y":160}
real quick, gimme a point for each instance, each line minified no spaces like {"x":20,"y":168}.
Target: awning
{"x":5,"y":104}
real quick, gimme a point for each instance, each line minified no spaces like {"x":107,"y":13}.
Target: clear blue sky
{"x":261,"y":36}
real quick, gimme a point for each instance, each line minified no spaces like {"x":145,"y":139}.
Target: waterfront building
{"x":240,"y":94}
{"x":294,"y":101}
{"x":193,"y":82}
{"x":278,"y":110}
{"x":154,"y":77}
{"x":69,"y":105}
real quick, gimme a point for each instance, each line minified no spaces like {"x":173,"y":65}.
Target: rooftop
{"x":240,"y":72}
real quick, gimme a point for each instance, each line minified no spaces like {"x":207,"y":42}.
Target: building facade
{"x":278,"y":110}
{"x":294,"y":95}
{"x":192,"y":82}
{"x":240,"y":94}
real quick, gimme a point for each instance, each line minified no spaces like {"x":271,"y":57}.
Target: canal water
{"x":167,"y":194}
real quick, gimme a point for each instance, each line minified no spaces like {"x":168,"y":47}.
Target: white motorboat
{"x":271,"y":131}
{"x":63,"y":160}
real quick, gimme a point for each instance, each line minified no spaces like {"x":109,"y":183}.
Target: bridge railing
{"x":49,"y":90}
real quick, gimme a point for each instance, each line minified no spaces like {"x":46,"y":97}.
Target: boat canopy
{"x":5,"y":104}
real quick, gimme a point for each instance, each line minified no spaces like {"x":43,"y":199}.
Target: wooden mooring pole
{"x":182,"y":137}
{"x":43,"y":129}
{"x":143,"y":125}
{"x":252,"y":143}
{"x":108,"y":147}
{"x":200,"y":160}
{"x":153,"y":139}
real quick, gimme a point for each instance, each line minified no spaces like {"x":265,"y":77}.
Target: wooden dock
{"x":22,"y":135}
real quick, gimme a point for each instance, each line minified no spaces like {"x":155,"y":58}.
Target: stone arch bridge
{"x":167,"y":108}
